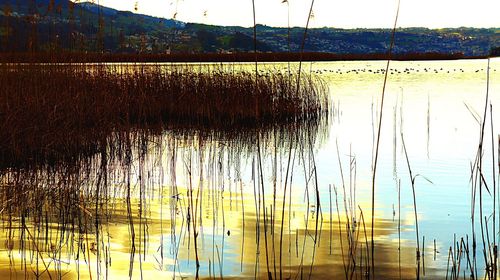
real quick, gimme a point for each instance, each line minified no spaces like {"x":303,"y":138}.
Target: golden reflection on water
{"x":118,"y":217}
{"x":231,"y":243}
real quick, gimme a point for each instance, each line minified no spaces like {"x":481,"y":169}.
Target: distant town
{"x":62,"y":25}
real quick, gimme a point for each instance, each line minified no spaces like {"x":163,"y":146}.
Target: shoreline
{"x":68,"y":57}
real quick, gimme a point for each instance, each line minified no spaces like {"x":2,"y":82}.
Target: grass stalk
{"x":378,"y":144}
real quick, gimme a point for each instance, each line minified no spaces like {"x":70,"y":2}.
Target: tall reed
{"x":378,"y":141}
{"x":53,"y":112}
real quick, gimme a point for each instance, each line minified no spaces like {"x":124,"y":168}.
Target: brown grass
{"x":53,"y":112}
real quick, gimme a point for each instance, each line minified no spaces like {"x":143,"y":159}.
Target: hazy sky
{"x":337,"y":13}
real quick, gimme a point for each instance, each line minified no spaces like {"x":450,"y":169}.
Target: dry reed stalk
{"x":378,"y":143}
{"x":64,"y":113}
{"x":283,"y":208}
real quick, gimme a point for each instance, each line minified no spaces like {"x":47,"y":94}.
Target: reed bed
{"x":54,"y":112}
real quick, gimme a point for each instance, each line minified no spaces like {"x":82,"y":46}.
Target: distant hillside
{"x":52,"y":25}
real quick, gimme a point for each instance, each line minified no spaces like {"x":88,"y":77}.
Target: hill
{"x":53,"y":25}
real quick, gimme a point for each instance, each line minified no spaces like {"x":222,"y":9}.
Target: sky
{"x":331,"y":13}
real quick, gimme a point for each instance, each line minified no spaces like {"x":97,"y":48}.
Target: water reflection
{"x":186,"y":204}
{"x":170,"y":203}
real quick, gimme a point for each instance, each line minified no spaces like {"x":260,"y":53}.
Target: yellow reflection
{"x":235,"y":238}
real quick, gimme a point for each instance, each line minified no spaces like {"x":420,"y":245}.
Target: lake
{"x":282,"y":202}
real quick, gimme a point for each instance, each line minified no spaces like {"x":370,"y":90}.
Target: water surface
{"x":284,"y":203}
